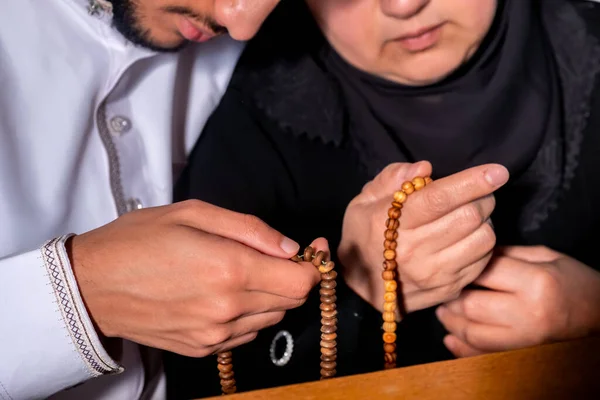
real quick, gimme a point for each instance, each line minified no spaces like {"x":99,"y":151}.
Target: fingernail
{"x":289,"y":246}
{"x":496,"y":176}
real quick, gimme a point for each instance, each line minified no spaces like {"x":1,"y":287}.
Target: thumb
{"x":393,"y":176}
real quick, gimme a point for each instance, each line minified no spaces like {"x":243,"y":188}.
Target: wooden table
{"x":566,"y":371}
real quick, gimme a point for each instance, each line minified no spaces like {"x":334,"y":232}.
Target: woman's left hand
{"x":529,"y":296}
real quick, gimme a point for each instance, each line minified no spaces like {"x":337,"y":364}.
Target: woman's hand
{"x":529,"y":296}
{"x":445,"y":238}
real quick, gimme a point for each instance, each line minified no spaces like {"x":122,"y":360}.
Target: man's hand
{"x":189,"y":278}
{"x":444,"y":239}
{"x":529,"y":296}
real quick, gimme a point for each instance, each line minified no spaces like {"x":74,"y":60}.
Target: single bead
{"x":389,"y":358}
{"x":328,"y":336}
{"x":308,"y":253}
{"x":391,"y":234}
{"x":394,"y":213}
{"x":407,"y":187}
{"x":327,"y":307}
{"x":328,"y":284}
{"x":391,"y":223}
{"x":227,"y":382}
{"x":326,"y":292}
{"x":389,"y":316}
{"x":329,"y":321}
{"x":328,"y":299}
{"x":296,"y":258}
{"x":390,"y":286}
{"x":225,"y":368}
{"x":419,"y":183}
{"x":224,"y":361}
{"x":390,"y":265}
{"x":328,"y":314}
{"x":389,"y":347}
{"x":328,"y":358}
{"x":389,"y":255}
{"x":389,"y":366}
{"x":389,"y":337}
{"x":226,"y":375}
{"x":330,"y":276}
{"x":389,"y":306}
{"x":389,"y":326}
{"x":328,"y":344}
{"x":328,"y":373}
{"x":328,"y":267}
{"x":230,"y":390}
{"x":396,"y":204}
{"x":388,"y":275}
{"x":390,"y":244}
{"x":328,"y":365}
{"x":225,"y":354}
{"x":318,"y":260}
{"x":428,"y":180}
{"x":328,"y":352}
{"x":389,"y":296}
{"x":328,"y":328}
{"x":399,"y":196}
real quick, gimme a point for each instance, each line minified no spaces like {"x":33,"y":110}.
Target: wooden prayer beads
{"x":328,"y":322}
{"x":389,"y":275}
{"x":226,"y":372}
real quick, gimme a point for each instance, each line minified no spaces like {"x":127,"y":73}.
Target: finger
{"x":283,"y":278}
{"x":391,"y":178}
{"x":321,"y":244}
{"x":243,"y":228}
{"x":455,"y":226}
{"x":253,"y":303}
{"x":532,"y":254}
{"x":470,"y":249}
{"x":459,"y":348}
{"x":506,"y":274}
{"x":486,"y":307}
{"x":233,"y":343}
{"x":481,"y":336}
{"x":255,"y":323}
{"x":447,"y":194}
{"x":446,"y":290}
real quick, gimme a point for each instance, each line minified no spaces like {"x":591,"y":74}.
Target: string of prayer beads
{"x":391,"y":304}
{"x":328,"y":322}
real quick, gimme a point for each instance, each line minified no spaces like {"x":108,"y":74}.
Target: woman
{"x":316,"y":111}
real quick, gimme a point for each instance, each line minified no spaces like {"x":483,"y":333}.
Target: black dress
{"x":278,"y":147}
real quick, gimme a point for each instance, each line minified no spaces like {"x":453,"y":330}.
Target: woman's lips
{"x":422,"y":39}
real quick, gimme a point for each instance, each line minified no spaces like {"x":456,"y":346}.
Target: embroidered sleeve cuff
{"x":48,"y":341}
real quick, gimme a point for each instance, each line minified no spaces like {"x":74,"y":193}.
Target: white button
{"x":119,"y":125}
{"x":134,"y":204}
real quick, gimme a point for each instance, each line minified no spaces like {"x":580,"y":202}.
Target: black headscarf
{"x":498,"y":107}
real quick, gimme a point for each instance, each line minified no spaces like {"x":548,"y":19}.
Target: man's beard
{"x":125,"y":20}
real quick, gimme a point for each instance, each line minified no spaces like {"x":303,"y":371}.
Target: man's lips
{"x":192,"y":32}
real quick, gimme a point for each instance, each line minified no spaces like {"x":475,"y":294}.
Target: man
{"x":101,"y":101}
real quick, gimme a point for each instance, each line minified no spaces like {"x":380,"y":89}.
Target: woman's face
{"x":414,"y":42}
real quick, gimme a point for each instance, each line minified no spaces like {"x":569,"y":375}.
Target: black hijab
{"x":498,"y":107}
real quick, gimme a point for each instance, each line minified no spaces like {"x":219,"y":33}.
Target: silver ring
{"x":289,"y":348}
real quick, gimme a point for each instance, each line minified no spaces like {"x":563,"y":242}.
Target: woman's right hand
{"x":445,"y":238}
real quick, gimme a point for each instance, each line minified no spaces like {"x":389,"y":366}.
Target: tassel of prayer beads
{"x":389,"y":275}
